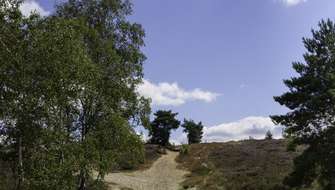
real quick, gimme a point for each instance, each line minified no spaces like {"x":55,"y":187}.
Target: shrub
{"x":131,"y":155}
{"x":184,"y":149}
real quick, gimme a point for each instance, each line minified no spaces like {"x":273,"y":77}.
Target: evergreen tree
{"x":161,"y":127}
{"x":311,"y":99}
{"x":193,"y":130}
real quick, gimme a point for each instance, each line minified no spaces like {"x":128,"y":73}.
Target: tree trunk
{"x":82,"y":181}
{"x":20,"y":165}
{"x":82,"y":176}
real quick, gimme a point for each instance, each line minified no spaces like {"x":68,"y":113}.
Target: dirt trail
{"x":163,"y":175}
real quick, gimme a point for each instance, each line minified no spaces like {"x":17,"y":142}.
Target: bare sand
{"x":162,"y":175}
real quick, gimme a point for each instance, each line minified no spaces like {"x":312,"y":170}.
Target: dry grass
{"x":243,"y":165}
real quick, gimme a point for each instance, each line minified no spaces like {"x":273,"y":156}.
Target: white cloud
{"x":30,"y":6}
{"x":255,"y":127}
{"x":170,"y":94}
{"x":292,"y":2}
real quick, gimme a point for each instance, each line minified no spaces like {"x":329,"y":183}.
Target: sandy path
{"x":163,"y":175}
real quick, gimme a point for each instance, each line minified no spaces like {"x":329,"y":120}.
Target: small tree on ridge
{"x":193,"y":130}
{"x":161,"y":127}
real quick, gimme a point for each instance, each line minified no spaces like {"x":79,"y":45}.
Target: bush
{"x":184,"y":149}
{"x":131,"y":155}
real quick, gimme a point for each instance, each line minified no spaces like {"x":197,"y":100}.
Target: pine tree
{"x":193,"y":130}
{"x":311,"y":99}
{"x":161,"y":127}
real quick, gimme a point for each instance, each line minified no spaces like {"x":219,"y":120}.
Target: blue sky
{"x":240,"y":49}
{"x":222,"y":61}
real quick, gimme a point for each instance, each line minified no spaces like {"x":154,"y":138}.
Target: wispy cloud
{"x":30,"y":6}
{"x":292,"y":2}
{"x":170,"y":94}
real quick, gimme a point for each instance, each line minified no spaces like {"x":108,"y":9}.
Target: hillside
{"x":244,"y":165}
